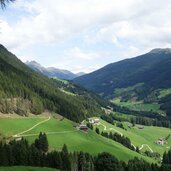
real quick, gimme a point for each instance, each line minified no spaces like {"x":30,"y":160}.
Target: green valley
{"x":59,"y":130}
{"x":83,"y":86}
{"x":140,"y":135}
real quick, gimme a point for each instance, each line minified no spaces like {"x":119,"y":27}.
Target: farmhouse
{"x":94,"y":121}
{"x":140,"y":127}
{"x":160,"y":141}
{"x":83,"y":127}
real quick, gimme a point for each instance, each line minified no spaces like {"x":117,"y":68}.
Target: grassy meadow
{"x":10,"y":126}
{"x":164,"y":92}
{"x":62,"y":131}
{"x":148,"y":135}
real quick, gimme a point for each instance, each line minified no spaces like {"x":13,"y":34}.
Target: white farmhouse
{"x":160,"y":141}
{"x":94,"y":120}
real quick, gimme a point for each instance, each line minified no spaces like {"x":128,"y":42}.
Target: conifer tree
{"x":97,"y":131}
{"x":42,"y":143}
{"x":65,"y":158}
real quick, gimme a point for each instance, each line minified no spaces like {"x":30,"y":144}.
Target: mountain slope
{"x":23,"y":90}
{"x":52,"y":72}
{"x":80,"y":74}
{"x":151,"y":69}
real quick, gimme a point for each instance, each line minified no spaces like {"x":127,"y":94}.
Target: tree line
{"x":166,"y":104}
{"x":162,"y":122}
{"x":125,"y":141}
{"x":37,"y":154}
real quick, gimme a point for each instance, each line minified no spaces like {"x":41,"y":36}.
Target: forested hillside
{"x":23,"y":90}
{"x":153,"y":69}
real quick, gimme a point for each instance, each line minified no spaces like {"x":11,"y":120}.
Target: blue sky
{"x":84,"y":35}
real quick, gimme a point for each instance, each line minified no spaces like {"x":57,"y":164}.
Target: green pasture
{"x":164,"y":92}
{"x":148,"y":135}
{"x":10,"y":126}
{"x":61,"y":132}
{"x":139,"y":105}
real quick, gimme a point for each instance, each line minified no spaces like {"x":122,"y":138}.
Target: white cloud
{"x":85,"y":69}
{"x":147,"y":29}
{"x":78,"y":60}
{"x":55,"y":20}
{"x":131,"y":26}
{"x":77,"y":53}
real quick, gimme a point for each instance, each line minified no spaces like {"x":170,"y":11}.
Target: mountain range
{"x":53,"y":72}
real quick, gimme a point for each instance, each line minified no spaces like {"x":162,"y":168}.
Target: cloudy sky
{"x":84,"y":35}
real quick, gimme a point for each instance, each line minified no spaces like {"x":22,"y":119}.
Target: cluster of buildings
{"x":93,"y":121}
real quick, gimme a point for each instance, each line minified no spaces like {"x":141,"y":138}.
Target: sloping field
{"x":61,"y":131}
{"x":148,"y":135}
{"x":10,"y":126}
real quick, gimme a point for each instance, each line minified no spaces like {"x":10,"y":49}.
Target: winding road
{"x":110,"y":129}
{"x":142,"y":146}
{"x":39,"y":123}
{"x":36,"y":134}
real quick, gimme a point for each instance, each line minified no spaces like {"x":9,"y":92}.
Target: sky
{"x":84,"y":35}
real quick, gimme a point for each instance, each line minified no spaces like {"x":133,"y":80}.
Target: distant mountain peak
{"x":51,"y":71}
{"x":160,"y":50}
{"x":32,"y":63}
